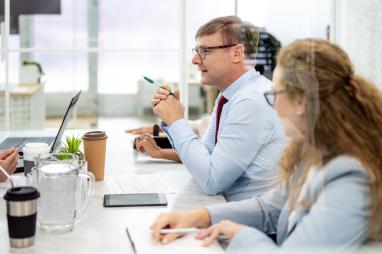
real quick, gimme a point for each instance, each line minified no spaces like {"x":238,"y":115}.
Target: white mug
{"x":31,"y":151}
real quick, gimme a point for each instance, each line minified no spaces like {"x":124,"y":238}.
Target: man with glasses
{"x":239,"y":151}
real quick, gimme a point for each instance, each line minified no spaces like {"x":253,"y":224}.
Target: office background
{"x":104,"y":46}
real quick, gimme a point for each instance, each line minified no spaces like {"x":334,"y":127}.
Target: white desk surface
{"x":103,"y":229}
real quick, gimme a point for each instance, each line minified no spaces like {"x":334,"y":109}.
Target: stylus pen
{"x":131,"y":241}
{"x":186,"y":231}
{"x":155,"y":83}
{"x":179,"y":230}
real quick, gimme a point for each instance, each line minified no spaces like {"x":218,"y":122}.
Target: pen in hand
{"x":179,"y":230}
{"x":186,"y":231}
{"x":155,"y":83}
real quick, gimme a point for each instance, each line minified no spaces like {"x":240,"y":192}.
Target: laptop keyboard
{"x":19,"y":142}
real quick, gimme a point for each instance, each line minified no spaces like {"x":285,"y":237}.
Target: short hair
{"x":233,"y":30}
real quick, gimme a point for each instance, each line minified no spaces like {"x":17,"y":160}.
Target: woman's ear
{"x":300,"y":104}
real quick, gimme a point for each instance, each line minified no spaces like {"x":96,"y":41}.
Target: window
{"x":147,"y":34}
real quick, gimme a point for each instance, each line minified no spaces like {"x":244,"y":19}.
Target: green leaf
{"x":72,"y":145}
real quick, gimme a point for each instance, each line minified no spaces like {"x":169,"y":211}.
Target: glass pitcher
{"x":65,"y":191}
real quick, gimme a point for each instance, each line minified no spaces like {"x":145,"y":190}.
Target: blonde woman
{"x":331,"y":186}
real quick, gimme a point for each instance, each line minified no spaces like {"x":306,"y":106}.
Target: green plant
{"x":72,"y":145}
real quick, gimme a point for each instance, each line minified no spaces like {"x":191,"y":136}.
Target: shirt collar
{"x":229,"y":92}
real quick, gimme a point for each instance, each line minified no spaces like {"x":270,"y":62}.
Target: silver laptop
{"x":53,"y":142}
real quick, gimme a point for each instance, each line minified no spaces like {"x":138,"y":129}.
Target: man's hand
{"x":163,"y":94}
{"x":169,"y":110}
{"x":8,"y":160}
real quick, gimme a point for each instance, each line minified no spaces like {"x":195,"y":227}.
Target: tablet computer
{"x":139,"y":199}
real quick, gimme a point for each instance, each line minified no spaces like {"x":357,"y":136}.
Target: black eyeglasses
{"x":270,"y":96}
{"x":202,"y":51}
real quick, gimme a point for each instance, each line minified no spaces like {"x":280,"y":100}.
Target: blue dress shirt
{"x":250,"y":142}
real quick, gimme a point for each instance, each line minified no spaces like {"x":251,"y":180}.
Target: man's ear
{"x":237,"y":53}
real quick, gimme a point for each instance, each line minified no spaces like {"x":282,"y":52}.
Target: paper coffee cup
{"x":31,"y":151}
{"x":95,"y":152}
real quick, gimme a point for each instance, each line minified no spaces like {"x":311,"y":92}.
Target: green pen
{"x":155,"y":83}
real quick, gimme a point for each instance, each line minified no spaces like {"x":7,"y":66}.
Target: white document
{"x":146,"y":183}
{"x":186,"y":244}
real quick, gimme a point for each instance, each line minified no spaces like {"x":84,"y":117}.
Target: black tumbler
{"x":21,"y":215}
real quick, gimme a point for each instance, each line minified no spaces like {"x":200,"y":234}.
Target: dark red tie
{"x":221,"y":103}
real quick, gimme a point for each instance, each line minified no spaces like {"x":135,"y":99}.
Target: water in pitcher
{"x":58,"y":185}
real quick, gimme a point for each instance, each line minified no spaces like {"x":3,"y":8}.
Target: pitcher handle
{"x":89,"y":192}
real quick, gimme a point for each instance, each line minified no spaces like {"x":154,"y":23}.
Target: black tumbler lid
{"x":22,"y":193}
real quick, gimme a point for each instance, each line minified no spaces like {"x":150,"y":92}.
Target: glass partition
{"x":103,"y":47}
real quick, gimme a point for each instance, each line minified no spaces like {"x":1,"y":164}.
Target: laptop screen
{"x":67,"y":117}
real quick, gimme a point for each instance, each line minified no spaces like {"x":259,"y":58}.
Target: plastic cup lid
{"x":22,"y":193}
{"x":95,"y":135}
{"x":54,"y":169}
{"x":36,"y":148}
{"x":36,"y":145}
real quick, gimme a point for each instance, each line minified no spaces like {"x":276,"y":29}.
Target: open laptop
{"x":53,"y":142}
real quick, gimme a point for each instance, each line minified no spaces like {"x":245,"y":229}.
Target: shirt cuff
{"x":179,"y":131}
{"x":248,"y":239}
{"x":164,"y":127}
{"x":217,"y":213}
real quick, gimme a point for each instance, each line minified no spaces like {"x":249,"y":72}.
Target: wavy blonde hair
{"x":344,"y":116}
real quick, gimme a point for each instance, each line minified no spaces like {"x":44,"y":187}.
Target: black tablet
{"x":141,"y":199}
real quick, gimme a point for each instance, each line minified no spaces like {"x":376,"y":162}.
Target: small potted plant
{"x":72,"y":145}
{"x":31,"y":72}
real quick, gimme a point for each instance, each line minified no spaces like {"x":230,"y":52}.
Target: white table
{"x":103,"y":229}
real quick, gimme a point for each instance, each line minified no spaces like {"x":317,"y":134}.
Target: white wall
{"x":357,"y":28}
{"x":288,"y":19}
{"x":108,"y":104}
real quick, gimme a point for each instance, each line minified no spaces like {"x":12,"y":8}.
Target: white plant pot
{"x":29,"y":74}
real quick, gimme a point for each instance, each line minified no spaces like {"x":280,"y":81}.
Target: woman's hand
{"x":193,"y":218}
{"x":225,"y":228}
{"x":140,"y":131}
{"x":8,"y":160}
{"x":146,"y":144}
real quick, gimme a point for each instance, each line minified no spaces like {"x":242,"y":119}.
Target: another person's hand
{"x":163,"y":94}
{"x":147,"y":144}
{"x":169,"y":110}
{"x":8,"y":160}
{"x":140,"y":131}
{"x":193,"y":218}
{"x":225,"y":228}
